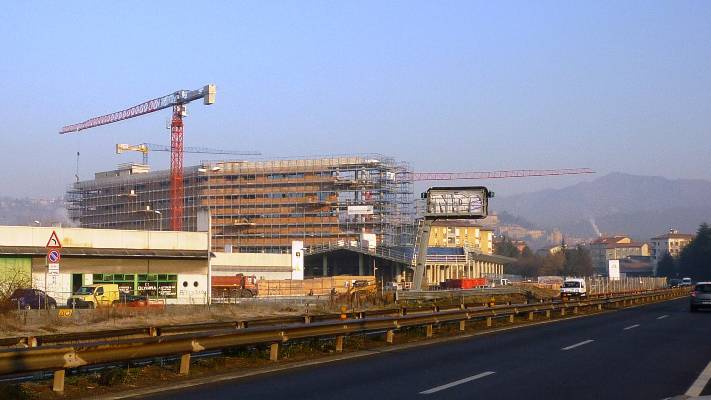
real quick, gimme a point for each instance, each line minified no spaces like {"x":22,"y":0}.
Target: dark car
{"x":130,"y":300}
{"x":28,"y":299}
{"x":701,"y":296}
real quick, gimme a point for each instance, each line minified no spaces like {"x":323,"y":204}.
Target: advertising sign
{"x":360,"y":210}
{"x":613,"y":270}
{"x":457,"y":202}
{"x":297,"y":260}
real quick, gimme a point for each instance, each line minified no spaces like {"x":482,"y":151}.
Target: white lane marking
{"x":700,"y":383}
{"x":459,"y":382}
{"x":584,"y":342}
{"x":662,"y":316}
{"x":631,"y":327}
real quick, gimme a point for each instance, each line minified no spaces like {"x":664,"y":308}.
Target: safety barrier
{"x":60,"y":357}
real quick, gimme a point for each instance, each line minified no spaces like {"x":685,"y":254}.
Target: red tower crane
{"x":178,"y":101}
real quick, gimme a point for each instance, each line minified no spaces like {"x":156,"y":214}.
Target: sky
{"x":444,"y":85}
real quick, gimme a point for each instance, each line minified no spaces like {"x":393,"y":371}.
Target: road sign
{"x":53,"y":256}
{"x":53,"y":242}
{"x":65,"y":312}
{"x":613,"y":271}
{"x":53,"y":269}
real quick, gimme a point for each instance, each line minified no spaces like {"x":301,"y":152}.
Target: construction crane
{"x":517,"y":173}
{"x":178,"y":101}
{"x":145,"y":148}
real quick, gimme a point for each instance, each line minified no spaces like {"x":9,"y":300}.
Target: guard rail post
{"x":511,"y":317}
{"x":530,"y":315}
{"x":58,"y":381}
{"x":548,"y":314}
{"x":488,"y":322}
{"x":390,"y":336}
{"x":184,"y":364}
{"x":562,"y":311}
{"x":339,"y":344}
{"x":274,"y":352}
{"x":429,"y":330}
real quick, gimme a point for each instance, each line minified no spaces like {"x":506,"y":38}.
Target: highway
{"x":649,"y":352}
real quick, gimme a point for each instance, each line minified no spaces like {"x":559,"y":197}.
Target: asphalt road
{"x":649,"y":352}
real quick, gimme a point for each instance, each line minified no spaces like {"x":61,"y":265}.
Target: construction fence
{"x":310,"y":287}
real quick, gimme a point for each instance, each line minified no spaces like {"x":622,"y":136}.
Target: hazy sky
{"x":448,"y":86}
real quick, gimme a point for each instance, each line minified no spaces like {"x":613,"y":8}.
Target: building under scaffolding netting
{"x":261,"y":206}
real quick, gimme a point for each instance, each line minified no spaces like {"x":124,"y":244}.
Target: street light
{"x":160,"y":219}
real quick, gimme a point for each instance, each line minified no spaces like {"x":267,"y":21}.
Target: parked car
{"x":701,"y":296}
{"x":92,"y":296}
{"x":130,"y":300}
{"x":27,"y":299}
{"x":674,"y":283}
{"x":686,"y":282}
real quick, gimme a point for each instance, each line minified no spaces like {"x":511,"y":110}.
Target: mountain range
{"x":617,"y":203}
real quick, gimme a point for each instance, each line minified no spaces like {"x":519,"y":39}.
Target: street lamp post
{"x":209,"y":232}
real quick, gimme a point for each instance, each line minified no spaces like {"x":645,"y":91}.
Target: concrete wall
{"x":103,"y":238}
{"x":262,"y":265}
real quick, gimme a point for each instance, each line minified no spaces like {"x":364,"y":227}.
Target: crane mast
{"x":178,"y":101}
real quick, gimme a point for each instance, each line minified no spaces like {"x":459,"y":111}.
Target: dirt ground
{"x":42,"y":322}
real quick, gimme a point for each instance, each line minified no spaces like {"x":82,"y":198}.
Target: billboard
{"x":613,"y":270}
{"x":457,"y":202}
{"x":360,"y":210}
{"x":297,"y":260}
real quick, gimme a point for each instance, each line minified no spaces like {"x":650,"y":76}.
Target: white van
{"x":573,"y":287}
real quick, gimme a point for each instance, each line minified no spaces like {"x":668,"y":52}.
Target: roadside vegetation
{"x":693,"y":262}
{"x":570,"y":261}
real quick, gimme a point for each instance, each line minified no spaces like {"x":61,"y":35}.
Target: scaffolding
{"x":261,"y":206}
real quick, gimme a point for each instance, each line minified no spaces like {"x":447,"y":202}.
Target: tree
{"x":666,"y":267}
{"x":553,"y":264}
{"x":695,"y":259}
{"x":507,"y":248}
{"x":528,"y":266}
{"x":578,"y":262}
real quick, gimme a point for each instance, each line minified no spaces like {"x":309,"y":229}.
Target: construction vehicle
{"x":239,"y":285}
{"x":361,"y":290}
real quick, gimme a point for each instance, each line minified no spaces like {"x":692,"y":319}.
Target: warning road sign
{"x":53,"y":256}
{"x":53,"y":242}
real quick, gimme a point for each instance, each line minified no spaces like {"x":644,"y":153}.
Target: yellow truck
{"x":93,"y":296}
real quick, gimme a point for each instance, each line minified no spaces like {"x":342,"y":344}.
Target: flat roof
{"x":97,"y":252}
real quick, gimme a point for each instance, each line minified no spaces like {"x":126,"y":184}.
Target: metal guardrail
{"x":457,"y":293}
{"x":59,"y":357}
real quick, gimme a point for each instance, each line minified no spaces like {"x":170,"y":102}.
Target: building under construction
{"x":261,"y":206}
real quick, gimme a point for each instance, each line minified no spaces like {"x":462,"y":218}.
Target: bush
{"x":15,"y":392}
{"x":112,"y":376}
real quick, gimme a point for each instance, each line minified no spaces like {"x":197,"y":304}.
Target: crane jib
{"x":144,"y":108}
{"x":207,"y":93}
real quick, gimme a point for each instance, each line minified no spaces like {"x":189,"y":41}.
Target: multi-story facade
{"x":462,"y":233}
{"x":671,"y":242}
{"x":604,"y":249}
{"x":260,"y":206}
